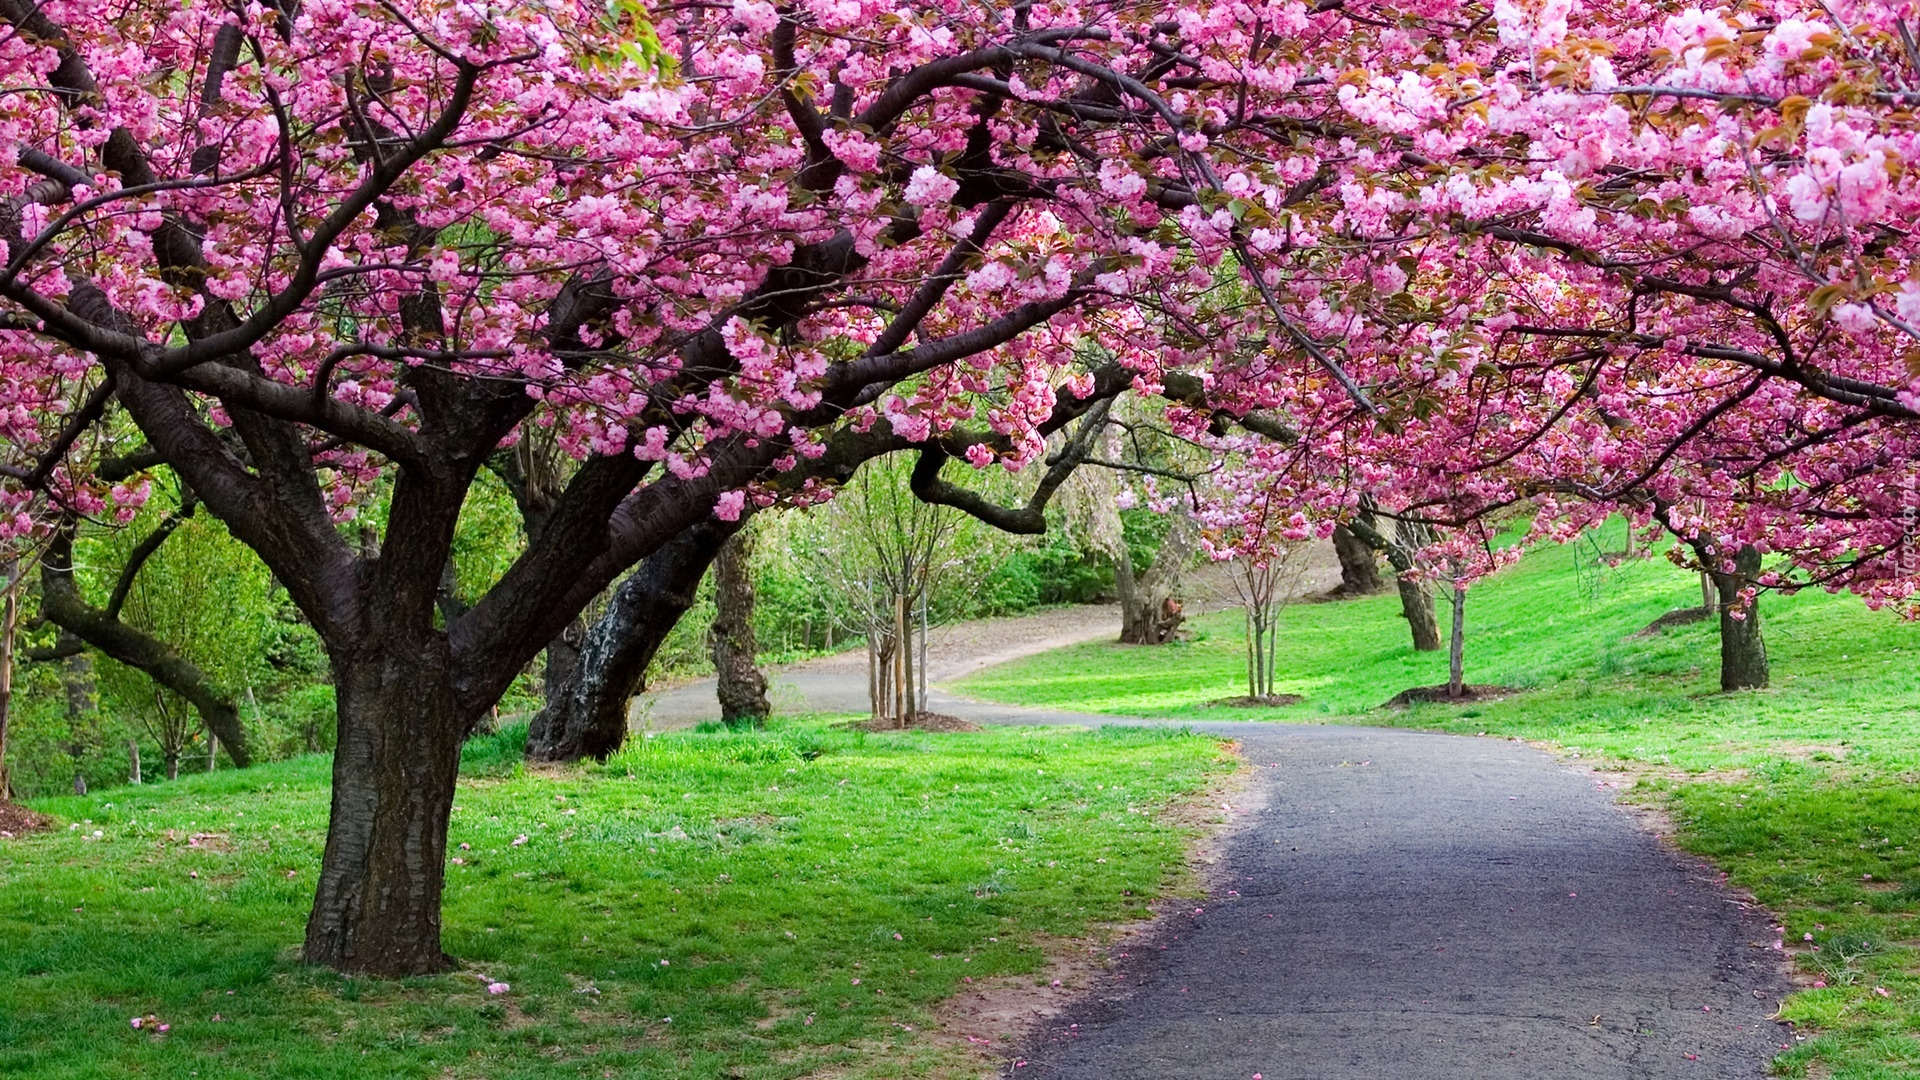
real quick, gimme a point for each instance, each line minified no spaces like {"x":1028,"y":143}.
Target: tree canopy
{"x":319,"y":258}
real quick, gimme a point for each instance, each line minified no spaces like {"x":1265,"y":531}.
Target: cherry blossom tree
{"x":1634,"y":258}
{"x":323,"y":259}
{"x":334,"y":258}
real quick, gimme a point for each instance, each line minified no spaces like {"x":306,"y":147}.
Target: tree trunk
{"x":376,"y":909}
{"x":1743,"y":652}
{"x":562,"y":666}
{"x":1359,"y":564}
{"x":588,"y":716}
{"x":741,"y":688}
{"x":1416,"y":606}
{"x":882,"y":644}
{"x":1253,"y":637}
{"x":1709,"y":594}
{"x":903,"y":668}
{"x":1149,"y":613}
{"x":1126,"y":586}
{"x":1416,"y":603}
{"x":1416,"y":600}
{"x":1457,"y":649}
{"x":172,"y":760}
{"x":9,"y":627}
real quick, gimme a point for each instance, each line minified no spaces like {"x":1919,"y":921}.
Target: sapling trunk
{"x":9,"y":627}
{"x":1456,"y":650}
{"x":903,"y":661}
{"x":1253,"y":676}
{"x":1273,"y":647}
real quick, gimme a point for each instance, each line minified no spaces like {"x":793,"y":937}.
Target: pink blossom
{"x":930,"y":186}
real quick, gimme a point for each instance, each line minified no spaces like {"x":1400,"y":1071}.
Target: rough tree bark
{"x":563,"y":659}
{"x":1416,"y":606}
{"x":740,"y":686}
{"x":1149,"y":612}
{"x":377,"y":904}
{"x":1416,"y":600}
{"x":1743,"y":651}
{"x":1416,"y":603}
{"x":587,"y":716}
{"x":1359,"y":564}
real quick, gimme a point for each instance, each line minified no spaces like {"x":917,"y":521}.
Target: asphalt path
{"x":1396,"y":905}
{"x":1399,"y":905}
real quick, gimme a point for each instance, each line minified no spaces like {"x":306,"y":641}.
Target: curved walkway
{"x":1397,"y":905}
{"x":1401,"y":905}
{"x":1394,"y":905}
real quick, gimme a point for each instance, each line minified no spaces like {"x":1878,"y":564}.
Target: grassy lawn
{"x":711,"y":905}
{"x":1805,"y":793}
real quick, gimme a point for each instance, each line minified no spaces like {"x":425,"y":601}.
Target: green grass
{"x":712,"y":905}
{"x":1797,"y":791}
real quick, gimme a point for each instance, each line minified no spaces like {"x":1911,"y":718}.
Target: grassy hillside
{"x":711,"y":905}
{"x":1559,"y":624}
{"x":1804,"y":792}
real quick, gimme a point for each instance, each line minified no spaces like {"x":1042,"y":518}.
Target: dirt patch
{"x":993,"y":1017}
{"x":1677,"y":617}
{"x":1439,"y":694}
{"x":921,"y":721}
{"x":17,"y":821}
{"x":1341,"y":592}
{"x":1264,"y":701}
